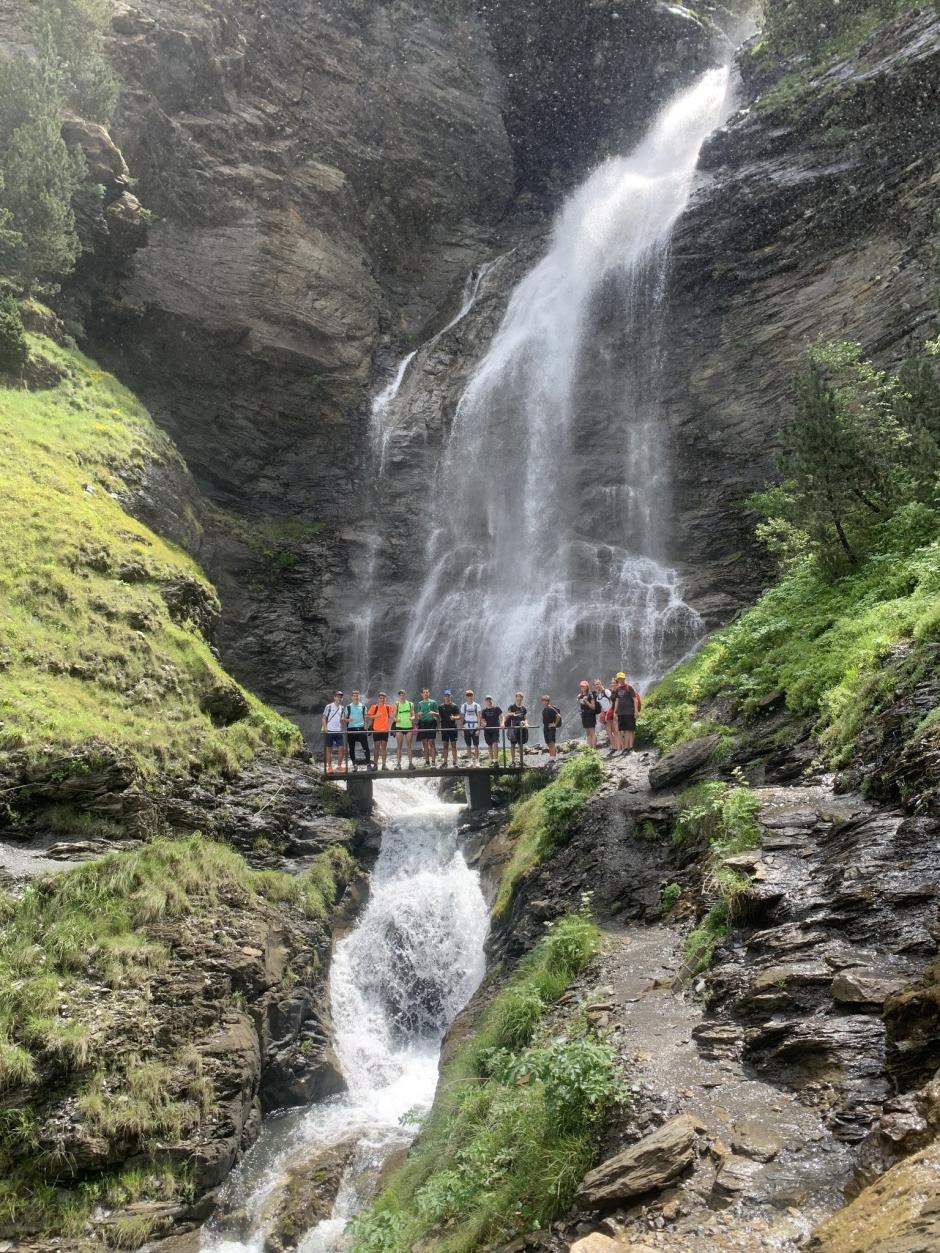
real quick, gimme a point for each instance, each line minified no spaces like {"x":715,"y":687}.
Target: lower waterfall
{"x":396,"y":983}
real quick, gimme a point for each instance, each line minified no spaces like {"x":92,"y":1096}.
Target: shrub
{"x":724,"y":816}
{"x":701,"y":943}
{"x":13,"y":348}
{"x":544,"y":821}
{"x":670,"y":897}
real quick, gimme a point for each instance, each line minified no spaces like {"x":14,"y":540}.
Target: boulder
{"x":682,"y":761}
{"x":304,"y":1195}
{"x":650,"y":1164}
{"x":864,"y":987}
{"x":225,"y":703}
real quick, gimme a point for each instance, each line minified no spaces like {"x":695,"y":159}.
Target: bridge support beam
{"x":479,"y":792}
{"x":360,"y":793}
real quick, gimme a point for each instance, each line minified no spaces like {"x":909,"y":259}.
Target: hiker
{"x":551,"y":721}
{"x":331,"y":726}
{"x":626,"y":701}
{"x":380,"y":716}
{"x":589,"y":708}
{"x":602,"y":695}
{"x":613,"y":733}
{"x":517,"y":727}
{"x":356,"y":733}
{"x":470,"y":712}
{"x":428,"y":719}
{"x":449,"y":713}
{"x":404,"y":728}
{"x":492,"y":720}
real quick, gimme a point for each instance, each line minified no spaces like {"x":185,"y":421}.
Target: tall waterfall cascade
{"x":396,"y":983}
{"x":540,"y":567}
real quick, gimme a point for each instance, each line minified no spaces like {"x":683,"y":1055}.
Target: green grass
{"x":88,"y":648}
{"x":92,"y":925}
{"x":701,"y":943}
{"x":515,"y":1123}
{"x":819,"y":33}
{"x":724,"y":816}
{"x":544,"y":821}
{"x":822,"y":643}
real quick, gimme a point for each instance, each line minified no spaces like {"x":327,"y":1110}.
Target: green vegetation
{"x":821,"y":635}
{"x":93,"y":658}
{"x":816,"y":34}
{"x":543,"y":822}
{"x":13,"y":347}
{"x":38,"y":241}
{"x":863,"y":443}
{"x":726,"y":818}
{"x":670,"y":897}
{"x":95,"y":924}
{"x":515,"y":1122}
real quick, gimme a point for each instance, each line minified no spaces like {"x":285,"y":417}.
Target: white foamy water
{"x":535,"y":571}
{"x":396,"y":983}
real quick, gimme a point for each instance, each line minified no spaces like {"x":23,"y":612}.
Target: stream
{"x":396,"y":983}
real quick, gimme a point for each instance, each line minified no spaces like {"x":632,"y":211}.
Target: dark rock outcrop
{"x":650,"y":1164}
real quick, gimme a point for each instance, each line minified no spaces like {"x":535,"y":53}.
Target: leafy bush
{"x":670,"y":897}
{"x":13,"y":347}
{"x":514,"y":1126}
{"x":544,"y":821}
{"x":725,"y":816}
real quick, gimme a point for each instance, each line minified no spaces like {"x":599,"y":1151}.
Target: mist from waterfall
{"x":537,"y":572}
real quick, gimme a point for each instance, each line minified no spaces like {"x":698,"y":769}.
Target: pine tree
{"x":72,"y":32}
{"x":40,"y":175}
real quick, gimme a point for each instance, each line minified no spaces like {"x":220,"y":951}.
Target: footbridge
{"x":478,"y":781}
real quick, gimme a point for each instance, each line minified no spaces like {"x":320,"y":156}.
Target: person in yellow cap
{"x":613,"y":731}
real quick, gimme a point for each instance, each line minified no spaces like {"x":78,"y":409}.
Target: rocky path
{"x":757,"y":1090}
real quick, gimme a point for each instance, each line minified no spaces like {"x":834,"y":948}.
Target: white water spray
{"x":538,"y":567}
{"x":396,"y":983}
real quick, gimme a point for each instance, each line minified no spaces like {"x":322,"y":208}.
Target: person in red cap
{"x":589,"y":708}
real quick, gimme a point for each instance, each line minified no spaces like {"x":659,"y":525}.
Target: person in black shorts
{"x":492,"y":717}
{"x":589,"y":708}
{"x":551,"y":721}
{"x":517,"y":727}
{"x":449,"y":713}
{"x":624,"y":697}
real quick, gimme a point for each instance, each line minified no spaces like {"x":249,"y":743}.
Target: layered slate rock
{"x":644,"y":1167}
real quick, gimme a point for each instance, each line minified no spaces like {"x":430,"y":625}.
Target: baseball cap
{"x":584,"y":683}
{"x":621,"y":675}
{"x":447,"y":691}
{"x":337,"y":693}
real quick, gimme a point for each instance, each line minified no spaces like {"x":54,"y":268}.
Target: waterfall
{"x":539,"y":568}
{"x":396,"y":983}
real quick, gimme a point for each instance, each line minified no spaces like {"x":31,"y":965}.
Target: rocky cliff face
{"x":321,"y":185}
{"x":812,"y":220}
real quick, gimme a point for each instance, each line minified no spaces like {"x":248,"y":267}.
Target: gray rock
{"x":864,"y":987}
{"x":644,"y":1167}
{"x":681,"y":762}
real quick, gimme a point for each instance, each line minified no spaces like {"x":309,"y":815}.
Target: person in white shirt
{"x":332,"y":725}
{"x":470,"y":712}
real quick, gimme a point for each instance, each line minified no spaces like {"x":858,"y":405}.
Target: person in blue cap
{"x":449,"y":713}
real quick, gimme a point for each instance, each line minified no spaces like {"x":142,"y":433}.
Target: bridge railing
{"x":510,"y":751}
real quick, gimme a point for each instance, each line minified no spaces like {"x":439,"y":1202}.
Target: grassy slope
{"x":87,"y":960}
{"x":820,"y":643}
{"x":87,"y":645}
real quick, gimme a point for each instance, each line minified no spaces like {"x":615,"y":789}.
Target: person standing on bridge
{"x":356,"y":733}
{"x":470,"y":717}
{"x":381,"y":715}
{"x":331,"y":726}
{"x":404,"y":727}
{"x":492,"y":720}
{"x":589,"y":708}
{"x":517,"y":725}
{"x":449,"y":713}
{"x":428,"y":720}
{"x":551,"y":721}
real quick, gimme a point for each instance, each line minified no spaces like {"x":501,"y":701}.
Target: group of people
{"x":348,"y":726}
